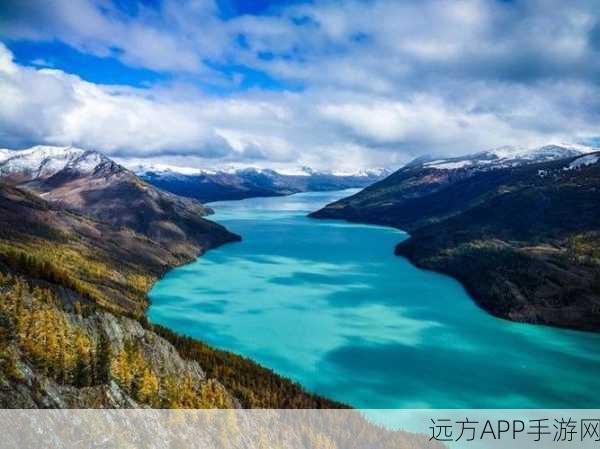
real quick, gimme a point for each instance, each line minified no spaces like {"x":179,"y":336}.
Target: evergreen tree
{"x":103,"y":356}
{"x":81,"y":373}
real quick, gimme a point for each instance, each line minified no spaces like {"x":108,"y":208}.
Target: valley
{"x":84,"y":239}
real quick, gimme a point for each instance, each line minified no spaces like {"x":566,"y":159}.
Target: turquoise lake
{"x":327,"y":304}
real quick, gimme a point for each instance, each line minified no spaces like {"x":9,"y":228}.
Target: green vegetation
{"x":530,"y":255}
{"x":61,"y":271}
{"x":42,"y":329}
{"x":523,"y":240}
{"x":34,"y":326}
{"x":253,"y":385}
{"x":77,"y":268}
{"x":42,"y":267}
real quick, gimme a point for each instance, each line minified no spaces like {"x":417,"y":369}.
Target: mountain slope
{"x":238,"y":184}
{"x":427,"y":190}
{"x":523,"y":239}
{"x":72,"y":330}
{"x":89,"y":183}
{"x":104,"y":260}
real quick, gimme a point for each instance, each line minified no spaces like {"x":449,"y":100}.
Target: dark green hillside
{"x":528,"y":254}
{"x":524,"y":240}
{"x":416,"y":196}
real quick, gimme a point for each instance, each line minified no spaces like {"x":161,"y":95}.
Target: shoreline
{"x":178,"y":339}
{"x":472,"y":291}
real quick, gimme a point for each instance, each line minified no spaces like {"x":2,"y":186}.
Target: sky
{"x":337,"y":85}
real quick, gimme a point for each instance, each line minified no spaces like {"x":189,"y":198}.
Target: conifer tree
{"x":102,"y":360}
{"x":148,"y":390}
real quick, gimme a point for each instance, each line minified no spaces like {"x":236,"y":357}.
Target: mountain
{"x":74,"y":279}
{"x":73,"y":335}
{"x":234,"y":184}
{"x":507,"y":156}
{"x":405,"y":198}
{"x":522,"y":236}
{"x":89,"y":183}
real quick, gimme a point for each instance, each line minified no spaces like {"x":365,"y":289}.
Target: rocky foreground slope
{"x":522,"y":235}
{"x":81,"y":242}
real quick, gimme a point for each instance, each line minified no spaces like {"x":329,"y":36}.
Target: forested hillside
{"x":522,"y":238}
{"x":73,"y":330}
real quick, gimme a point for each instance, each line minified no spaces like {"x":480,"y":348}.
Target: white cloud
{"x":382,"y":81}
{"x":50,"y":106}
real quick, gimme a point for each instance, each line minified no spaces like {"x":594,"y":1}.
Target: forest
{"x":56,"y":338}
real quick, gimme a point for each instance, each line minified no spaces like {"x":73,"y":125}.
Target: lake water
{"x":327,"y":304}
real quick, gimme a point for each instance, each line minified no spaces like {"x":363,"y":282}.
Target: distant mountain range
{"x":240,"y":183}
{"x":520,"y":228}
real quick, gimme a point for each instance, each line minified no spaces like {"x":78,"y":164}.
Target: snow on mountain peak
{"x":546,"y":152}
{"x":175,"y":171}
{"x":583,"y":161}
{"x":166,"y":169}
{"x":45,"y":161}
{"x":508,"y":156}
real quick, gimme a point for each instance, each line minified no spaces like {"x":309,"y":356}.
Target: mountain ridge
{"x":73,"y":293}
{"x":206,"y":185}
{"x":423,"y":177}
{"x":520,"y":238}
{"x":142,"y":169}
{"x":89,"y":183}
{"x":240,"y":183}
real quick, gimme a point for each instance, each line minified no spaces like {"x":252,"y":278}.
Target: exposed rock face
{"x":523,"y":239}
{"x":162,"y":356}
{"x":34,"y":390}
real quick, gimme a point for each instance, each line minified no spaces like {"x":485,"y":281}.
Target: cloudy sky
{"x":331,"y":84}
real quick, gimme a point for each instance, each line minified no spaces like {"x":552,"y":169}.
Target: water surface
{"x":327,"y":304}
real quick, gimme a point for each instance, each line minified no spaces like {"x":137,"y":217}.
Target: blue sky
{"x":104,"y":69}
{"x":332,"y":84}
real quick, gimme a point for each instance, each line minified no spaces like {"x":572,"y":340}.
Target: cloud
{"x":147,"y":39}
{"x":45,"y":105}
{"x":374,"y":82}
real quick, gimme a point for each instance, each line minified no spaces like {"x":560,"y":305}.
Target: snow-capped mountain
{"x":177,"y":171}
{"x":44,"y":161}
{"x":369,"y":172}
{"x":228,"y":183}
{"x":43,"y":164}
{"x":584,"y":161}
{"x":401,"y":194}
{"x":89,"y":183}
{"x":507,"y":156}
